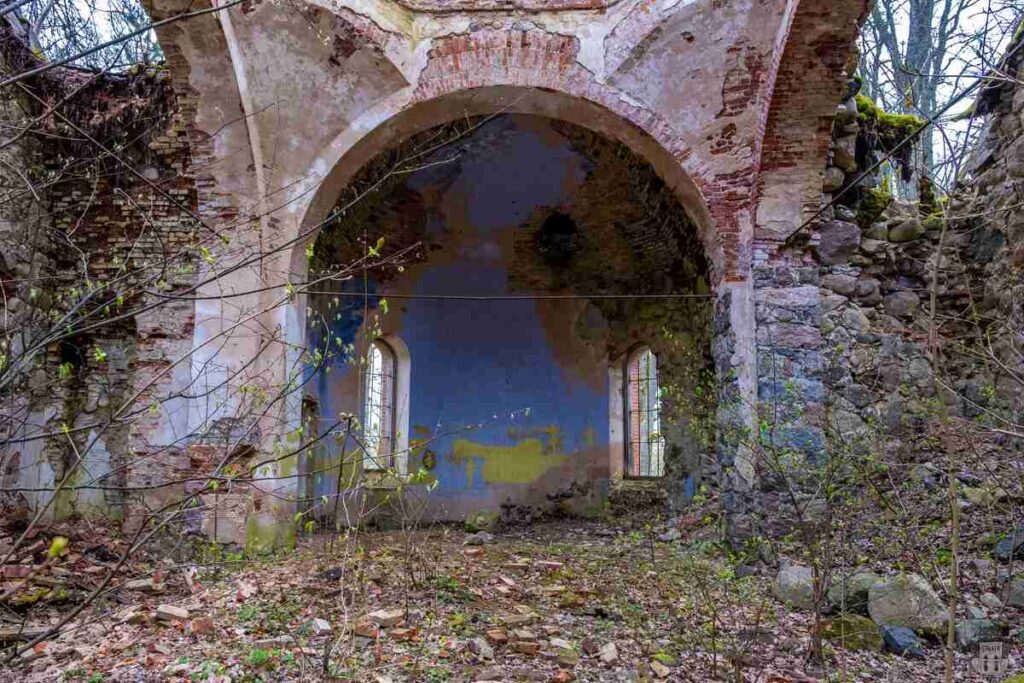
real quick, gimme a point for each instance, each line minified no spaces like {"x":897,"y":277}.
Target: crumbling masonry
{"x":266,"y":114}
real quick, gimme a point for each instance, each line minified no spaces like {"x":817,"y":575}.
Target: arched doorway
{"x":518,"y":258}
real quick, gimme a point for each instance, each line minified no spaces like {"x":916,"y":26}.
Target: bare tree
{"x":61,"y":28}
{"x":916,"y":55}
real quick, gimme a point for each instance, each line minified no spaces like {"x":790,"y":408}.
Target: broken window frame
{"x":644,"y":456}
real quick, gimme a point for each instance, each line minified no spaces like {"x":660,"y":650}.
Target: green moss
{"x":266,"y":533}
{"x":852,"y":632}
{"x":481,"y":520}
{"x":287,"y":466}
{"x":888,"y":129}
{"x":286,"y":536}
{"x":28,"y":598}
{"x":927,"y":201}
{"x":871,"y":113}
{"x":259,"y":537}
{"x":872,"y":205}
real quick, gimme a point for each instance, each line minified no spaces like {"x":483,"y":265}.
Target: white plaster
{"x":617,"y":417}
{"x":95,"y":465}
{"x":403,"y":385}
{"x":744,"y":361}
{"x":34,"y":472}
{"x":245,"y":94}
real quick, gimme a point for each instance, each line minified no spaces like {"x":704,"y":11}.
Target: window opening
{"x":645,"y":446}
{"x":378,"y":407}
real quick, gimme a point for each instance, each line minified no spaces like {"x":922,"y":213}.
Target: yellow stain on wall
{"x":522,"y":463}
{"x":551,"y":435}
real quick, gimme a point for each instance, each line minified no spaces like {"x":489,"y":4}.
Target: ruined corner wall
{"x":97,"y":208}
{"x":983,"y":303}
{"x":878,"y":271}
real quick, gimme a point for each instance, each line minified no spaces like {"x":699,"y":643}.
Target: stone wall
{"x":873,"y":255}
{"x":878,"y":271}
{"x":983,"y":296}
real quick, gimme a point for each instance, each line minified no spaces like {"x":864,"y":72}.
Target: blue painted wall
{"x":509,"y":400}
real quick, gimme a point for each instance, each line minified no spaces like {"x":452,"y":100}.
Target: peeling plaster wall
{"x":117,"y":223}
{"x":509,"y":404}
{"x":278,"y":107}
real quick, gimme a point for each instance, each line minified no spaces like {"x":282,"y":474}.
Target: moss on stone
{"x":853,"y":632}
{"x":891,"y":129}
{"x":872,"y":205}
{"x":265,"y":534}
{"x":481,"y":520}
{"x":933,"y":223}
{"x":888,"y":133}
{"x":927,"y":202}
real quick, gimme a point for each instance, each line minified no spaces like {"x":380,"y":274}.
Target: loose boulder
{"x":927,"y":475}
{"x":906,"y":600}
{"x":1013,"y":594}
{"x":1011,"y":546}
{"x":479,"y":538}
{"x":839,"y":240}
{"x":902,"y":641}
{"x":481,"y":648}
{"x":795,"y":586}
{"x":970,"y":632}
{"x":992,"y":601}
{"x":851,"y":594}
{"x":609,"y":653}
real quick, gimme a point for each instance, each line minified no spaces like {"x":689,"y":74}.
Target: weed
{"x":207,"y":670}
{"x":248,"y":613}
{"x":449,"y":590}
{"x":259,"y":658}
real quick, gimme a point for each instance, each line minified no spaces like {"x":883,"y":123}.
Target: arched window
{"x":379,"y":407}
{"x":645,"y":446}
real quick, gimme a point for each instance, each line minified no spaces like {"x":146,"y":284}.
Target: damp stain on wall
{"x":509,"y":400}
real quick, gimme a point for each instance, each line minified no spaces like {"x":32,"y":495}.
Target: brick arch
{"x":520,"y":71}
{"x":808,"y":81}
{"x":198,"y":59}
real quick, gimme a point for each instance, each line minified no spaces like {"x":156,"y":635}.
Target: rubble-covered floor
{"x":558,"y":601}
